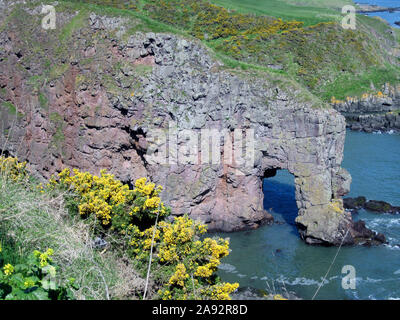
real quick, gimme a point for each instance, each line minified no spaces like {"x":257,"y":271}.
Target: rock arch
{"x":92,"y":124}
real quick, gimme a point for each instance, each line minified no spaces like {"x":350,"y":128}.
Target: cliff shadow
{"x":279,"y":196}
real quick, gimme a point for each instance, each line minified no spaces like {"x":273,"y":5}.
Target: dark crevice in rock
{"x":269,"y":173}
{"x":139,"y":137}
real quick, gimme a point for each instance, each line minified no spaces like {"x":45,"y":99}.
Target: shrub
{"x":191,"y":263}
{"x":185,"y":265}
{"x":12,"y":169}
{"x":107,"y":198}
{"x":32,"y":218}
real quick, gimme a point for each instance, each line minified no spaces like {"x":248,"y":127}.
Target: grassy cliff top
{"x":309,"y":11}
{"x":299,"y":39}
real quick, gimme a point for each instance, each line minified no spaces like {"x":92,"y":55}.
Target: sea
{"x":391,"y":17}
{"x":273,"y":259}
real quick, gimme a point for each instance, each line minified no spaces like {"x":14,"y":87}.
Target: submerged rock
{"x":354,"y":203}
{"x":370,"y":205}
{"x":381,"y":207}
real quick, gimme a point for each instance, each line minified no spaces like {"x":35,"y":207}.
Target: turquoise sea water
{"x":391,"y":17}
{"x":275,"y":257}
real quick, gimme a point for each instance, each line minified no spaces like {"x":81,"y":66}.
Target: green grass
{"x":43,"y":101}
{"x":138,"y":21}
{"x":11,"y":108}
{"x":30,"y":220}
{"x":350,"y":85}
{"x":77,"y":22}
{"x":309,"y":11}
{"x":397,"y":33}
{"x":11,"y":252}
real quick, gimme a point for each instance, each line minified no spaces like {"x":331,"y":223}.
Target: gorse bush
{"x":191,"y":263}
{"x":36,"y":279}
{"x":186,"y":265}
{"x":10,"y":168}
{"x":184,"y":262}
{"x":107,"y":198}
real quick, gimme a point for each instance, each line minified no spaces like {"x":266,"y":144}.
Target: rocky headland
{"x":90,"y":94}
{"x":368,"y":8}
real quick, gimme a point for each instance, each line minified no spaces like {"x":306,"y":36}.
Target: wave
{"x":227,"y":268}
{"x":392,"y":247}
{"x":387,"y":221}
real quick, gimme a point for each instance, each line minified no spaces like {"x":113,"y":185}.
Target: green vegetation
{"x":349,"y":85}
{"x":309,"y":11}
{"x":33,"y":279}
{"x":303,"y":37}
{"x":31,"y":219}
{"x":71,"y":212}
{"x":43,"y":102}
{"x":76,"y":23}
{"x":12,"y":110}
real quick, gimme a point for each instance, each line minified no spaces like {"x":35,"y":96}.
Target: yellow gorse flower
{"x":10,"y":167}
{"x":101,"y":195}
{"x":221,"y":291}
{"x":178,"y":243}
{"x":180,"y":275}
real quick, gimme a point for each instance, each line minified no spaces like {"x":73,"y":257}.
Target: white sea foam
{"x":386,"y":221}
{"x":302,"y":281}
{"x":392,"y":247}
{"x":371,"y":280}
{"x":227,"y":267}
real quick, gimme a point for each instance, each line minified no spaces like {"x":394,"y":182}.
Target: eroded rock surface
{"x":90,"y":98}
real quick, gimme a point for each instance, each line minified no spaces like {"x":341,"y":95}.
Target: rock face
{"x":373,"y":113}
{"x":93,"y":100}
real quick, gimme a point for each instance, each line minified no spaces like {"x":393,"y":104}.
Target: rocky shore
{"x":369,"y":8}
{"x":372,"y":113}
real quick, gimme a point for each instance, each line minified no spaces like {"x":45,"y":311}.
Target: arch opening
{"x":280,"y":196}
